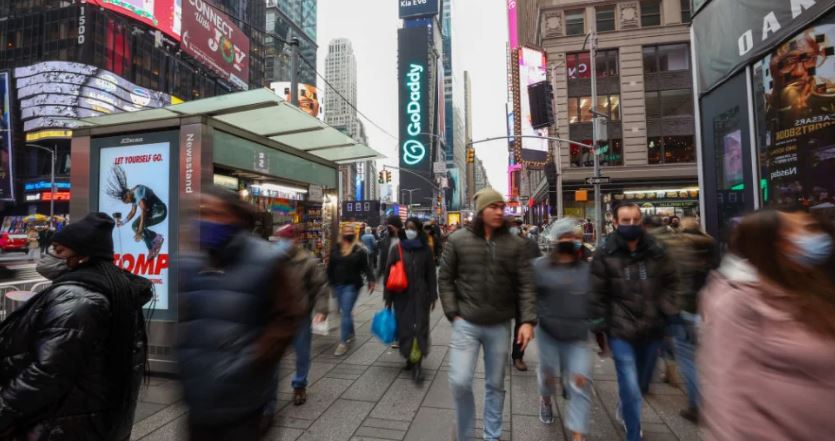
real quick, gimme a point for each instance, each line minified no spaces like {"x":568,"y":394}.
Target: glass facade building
{"x":287,"y":19}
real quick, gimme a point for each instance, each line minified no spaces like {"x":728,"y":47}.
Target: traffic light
{"x":541,"y":99}
{"x":388,"y":175}
{"x":470,"y":155}
{"x":381,"y":177}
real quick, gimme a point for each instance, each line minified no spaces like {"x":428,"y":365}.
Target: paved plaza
{"x":365,"y":396}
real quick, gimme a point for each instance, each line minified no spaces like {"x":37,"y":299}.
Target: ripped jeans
{"x":567,"y":360}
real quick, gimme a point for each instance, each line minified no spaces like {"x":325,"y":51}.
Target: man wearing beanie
{"x":72,"y":358}
{"x":485,"y":278}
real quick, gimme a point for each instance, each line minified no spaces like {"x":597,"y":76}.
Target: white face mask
{"x":514,"y":231}
{"x":411,"y":234}
{"x":52,"y":267}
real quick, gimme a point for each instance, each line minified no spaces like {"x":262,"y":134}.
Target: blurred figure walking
{"x":239,"y":310}
{"x":485,"y":277}
{"x":392,"y":235}
{"x":412,"y":307}
{"x":370,"y":243}
{"x":533,"y":252}
{"x":634,"y":287}
{"x":72,"y":358}
{"x":347,"y":265}
{"x":33,"y":238}
{"x":563,"y":287}
{"x":768,"y":340}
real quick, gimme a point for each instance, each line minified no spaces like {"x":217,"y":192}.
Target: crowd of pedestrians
{"x":751,"y":333}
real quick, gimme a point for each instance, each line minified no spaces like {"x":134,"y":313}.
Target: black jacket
{"x":412,"y":307}
{"x":563,"y":293}
{"x":54,"y":382}
{"x":349,"y":270}
{"x":634,"y":293}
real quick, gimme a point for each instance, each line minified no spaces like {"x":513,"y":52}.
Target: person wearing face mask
{"x":563,"y":287}
{"x":768,"y":332}
{"x":393,"y":226}
{"x":634,"y":295}
{"x":73,"y":357}
{"x":347,"y":265}
{"x":412,"y":306}
{"x":240,"y":308}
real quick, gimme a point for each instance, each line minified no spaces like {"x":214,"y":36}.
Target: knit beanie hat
{"x":485,"y":197}
{"x":395,"y":221}
{"x":566,"y":225}
{"x":92,"y":236}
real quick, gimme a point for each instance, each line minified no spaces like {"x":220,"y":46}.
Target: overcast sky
{"x":479,"y":38}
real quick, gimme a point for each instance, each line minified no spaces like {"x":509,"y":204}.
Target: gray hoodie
{"x":563,"y":294}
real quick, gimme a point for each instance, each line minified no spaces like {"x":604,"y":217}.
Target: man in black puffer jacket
{"x":634,"y":291}
{"x":72,"y":358}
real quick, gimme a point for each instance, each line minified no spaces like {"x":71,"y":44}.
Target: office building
{"x":481,"y":179}
{"x":340,"y":112}
{"x":287,"y":19}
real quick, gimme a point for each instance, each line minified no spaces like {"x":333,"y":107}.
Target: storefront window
{"x":573,"y":111}
{"x":670,"y":149}
{"x":578,"y":65}
{"x":579,"y":108}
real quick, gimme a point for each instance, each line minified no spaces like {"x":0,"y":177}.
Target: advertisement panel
{"x":308,"y":96}
{"x":211,"y":37}
{"x":418,"y":8}
{"x":453,"y":190}
{"x":797,"y":83}
{"x":53,"y":94}
{"x":163,"y":15}
{"x":532,"y":69}
{"x":136,"y":193}
{"x":6,"y":181}
{"x":512,"y":24}
{"x":415,"y":153}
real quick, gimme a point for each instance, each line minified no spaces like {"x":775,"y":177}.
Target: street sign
{"x":602,"y":150}
{"x":598,"y":180}
{"x":439,"y":167}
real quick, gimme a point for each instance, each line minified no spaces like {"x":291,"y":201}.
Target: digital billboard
{"x":211,"y":37}
{"x":532,"y":68}
{"x":797,"y":84}
{"x":6,"y":181}
{"x":418,"y":8}
{"x":54,"y":94}
{"x":308,"y":95}
{"x":164,"y":15}
{"x":414,"y":80}
{"x":134,"y":192}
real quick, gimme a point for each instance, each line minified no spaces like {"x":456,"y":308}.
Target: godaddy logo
{"x":413,"y":150}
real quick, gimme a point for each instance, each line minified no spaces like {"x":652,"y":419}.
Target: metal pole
{"x":294,"y":71}
{"x":597,"y":196}
{"x":52,"y":187}
{"x":560,"y":210}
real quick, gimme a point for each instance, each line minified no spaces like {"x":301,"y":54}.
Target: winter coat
{"x":563,"y":295}
{"x":487,"y":281}
{"x":634,"y":293}
{"x":238,"y":313}
{"x":350,"y":269}
{"x":412,"y":307}
{"x":533,"y":248}
{"x":694,"y":254}
{"x":764,"y":376}
{"x":55,"y":363}
{"x":370,"y":243}
{"x":314,"y":281}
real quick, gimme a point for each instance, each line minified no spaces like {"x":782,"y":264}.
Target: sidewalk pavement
{"x":365,"y":396}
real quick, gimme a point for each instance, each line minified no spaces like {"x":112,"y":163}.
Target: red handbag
{"x":397,"y":280}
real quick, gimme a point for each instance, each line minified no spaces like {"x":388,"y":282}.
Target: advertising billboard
{"x":133,"y":190}
{"x":414,"y":108}
{"x":211,"y":37}
{"x":797,"y":84}
{"x":418,"y":8}
{"x":163,"y":15}
{"x":512,"y":24}
{"x":6,"y":181}
{"x":54,"y":94}
{"x":532,"y":69}
{"x":308,"y":96}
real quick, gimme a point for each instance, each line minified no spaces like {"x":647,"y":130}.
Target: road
{"x":364,"y":396}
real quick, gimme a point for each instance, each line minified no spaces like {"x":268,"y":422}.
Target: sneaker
{"x":395,"y":345}
{"x":546,"y":412}
{"x":350,"y":339}
{"x":520,"y":365}
{"x":341,"y":350}
{"x":299,"y":396}
{"x":156,"y":246}
{"x":690,"y":414}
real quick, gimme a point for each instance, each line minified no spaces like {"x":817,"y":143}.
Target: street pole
{"x":52,"y":187}
{"x":558,"y":156}
{"x":595,"y":122}
{"x":294,"y":71}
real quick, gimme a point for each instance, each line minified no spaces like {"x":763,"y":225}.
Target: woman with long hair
{"x":412,"y":306}
{"x":347,"y":264}
{"x":768,"y":341}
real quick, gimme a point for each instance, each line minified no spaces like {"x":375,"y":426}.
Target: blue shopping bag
{"x":384,"y":326}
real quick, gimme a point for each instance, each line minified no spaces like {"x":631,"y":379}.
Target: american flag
{"x":404,"y":213}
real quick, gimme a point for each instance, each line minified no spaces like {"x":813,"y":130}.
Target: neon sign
{"x":413,"y":150}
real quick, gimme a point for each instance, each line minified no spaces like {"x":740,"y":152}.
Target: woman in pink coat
{"x":767,"y":359}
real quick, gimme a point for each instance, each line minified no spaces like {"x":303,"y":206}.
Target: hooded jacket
{"x":54,"y":363}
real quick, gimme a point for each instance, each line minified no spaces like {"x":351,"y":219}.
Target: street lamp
{"x":54,"y":154}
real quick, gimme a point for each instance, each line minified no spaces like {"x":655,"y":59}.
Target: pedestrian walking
{"x":563,"y":287}
{"x":634,"y":287}
{"x":370,"y":243}
{"x":32,"y":238}
{"x":412,"y":306}
{"x":392,"y":235}
{"x":239,"y":310}
{"x":73,"y":357}
{"x":533,"y":252}
{"x":316,"y":295}
{"x":484,"y":278}
{"x":347,"y":265}
{"x":768,"y":333}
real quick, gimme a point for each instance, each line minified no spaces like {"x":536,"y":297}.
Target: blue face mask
{"x":812,"y":250}
{"x":214,"y":236}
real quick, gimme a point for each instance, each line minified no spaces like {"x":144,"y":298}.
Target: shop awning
{"x":262,"y":112}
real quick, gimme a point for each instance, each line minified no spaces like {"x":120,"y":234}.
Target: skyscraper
{"x":449,"y":124}
{"x":340,"y":108}
{"x":287,"y":19}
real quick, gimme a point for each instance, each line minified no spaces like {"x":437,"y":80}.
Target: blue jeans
{"x":301,"y":345}
{"x":685,"y":340}
{"x":568,"y":360}
{"x":347,"y":297}
{"x":465,"y":343}
{"x":635,"y":365}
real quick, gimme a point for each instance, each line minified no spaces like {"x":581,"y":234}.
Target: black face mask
{"x":566,"y":248}
{"x":630,"y":232}
{"x":349,"y":238}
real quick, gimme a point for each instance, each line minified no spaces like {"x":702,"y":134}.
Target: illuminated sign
{"x":530,"y":68}
{"x":418,"y":8}
{"x":33,"y":197}
{"x":46,"y":134}
{"x":413,"y":150}
{"x":45,"y":185}
{"x":59,"y":196}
